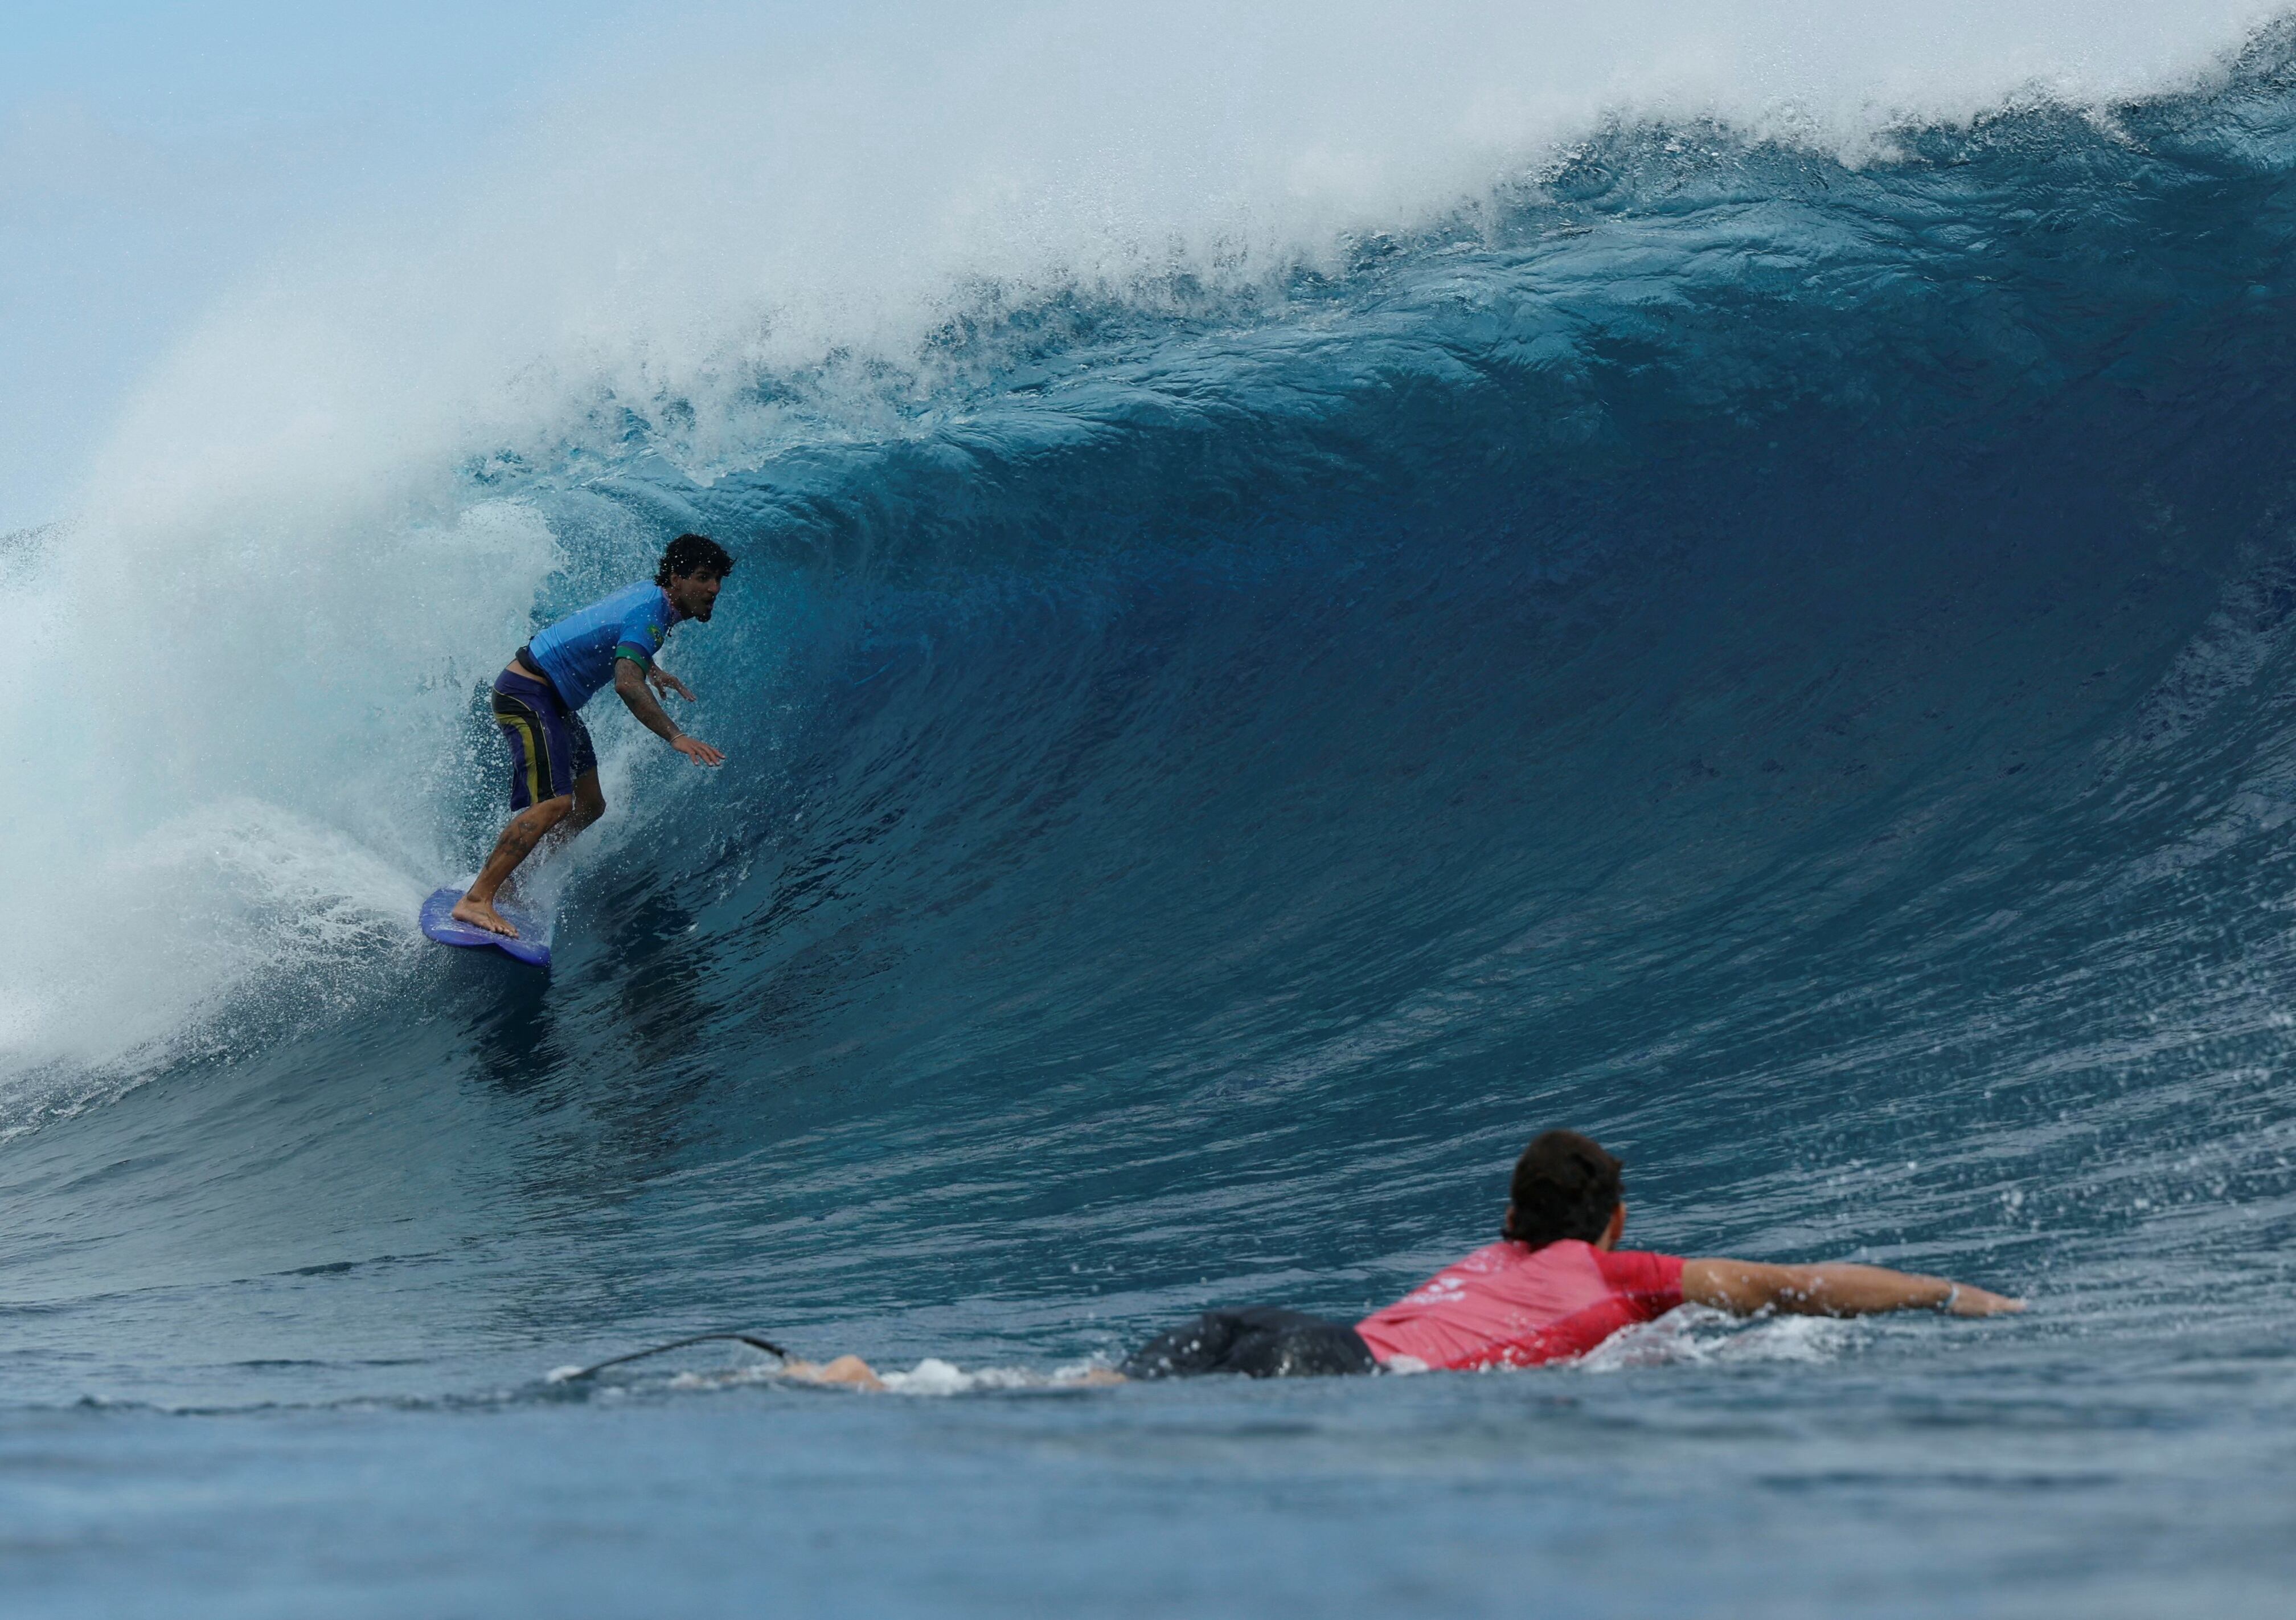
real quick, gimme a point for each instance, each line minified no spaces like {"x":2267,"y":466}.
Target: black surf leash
{"x":753,"y":1341}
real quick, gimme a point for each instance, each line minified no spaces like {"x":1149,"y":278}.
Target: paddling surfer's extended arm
{"x":1743,"y":1287}
{"x":630,"y":686}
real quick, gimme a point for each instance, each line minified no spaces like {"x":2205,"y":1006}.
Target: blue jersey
{"x":578,"y":653}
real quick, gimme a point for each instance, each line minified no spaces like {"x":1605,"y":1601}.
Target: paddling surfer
{"x":1554,"y":1286}
{"x":554,"y":779}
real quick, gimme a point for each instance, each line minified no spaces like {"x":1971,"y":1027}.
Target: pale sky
{"x":153,"y":153}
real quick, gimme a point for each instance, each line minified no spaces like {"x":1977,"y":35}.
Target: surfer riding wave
{"x":554,"y":779}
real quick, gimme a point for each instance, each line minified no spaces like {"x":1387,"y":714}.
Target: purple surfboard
{"x":531,"y":945}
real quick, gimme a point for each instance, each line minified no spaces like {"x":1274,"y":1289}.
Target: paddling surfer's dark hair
{"x":692,"y":554}
{"x":1565,"y":1186}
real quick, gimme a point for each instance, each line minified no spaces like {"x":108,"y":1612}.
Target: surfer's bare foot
{"x":844,"y":1369}
{"x":481,"y":914}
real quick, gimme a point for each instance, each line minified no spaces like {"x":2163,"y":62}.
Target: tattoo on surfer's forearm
{"x":647,"y":708}
{"x":655,"y":718}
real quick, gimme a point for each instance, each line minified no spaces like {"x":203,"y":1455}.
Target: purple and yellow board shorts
{"x":549,"y":745}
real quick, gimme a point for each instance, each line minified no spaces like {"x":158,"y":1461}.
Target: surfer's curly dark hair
{"x":692,"y":554}
{"x":1565,"y":1186}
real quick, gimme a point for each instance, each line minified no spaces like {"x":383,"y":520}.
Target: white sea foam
{"x":230,"y":751}
{"x":1695,"y":1335}
{"x":931,"y":1377}
{"x":251,"y":648}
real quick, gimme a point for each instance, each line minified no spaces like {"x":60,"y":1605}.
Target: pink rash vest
{"x":1510,"y":1305}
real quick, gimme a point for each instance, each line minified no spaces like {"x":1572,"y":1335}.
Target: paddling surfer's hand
{"x":697,"y":750}
{"x":664,"y":681}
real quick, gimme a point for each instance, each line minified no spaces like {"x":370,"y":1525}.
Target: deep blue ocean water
{"x":1789,"y":668}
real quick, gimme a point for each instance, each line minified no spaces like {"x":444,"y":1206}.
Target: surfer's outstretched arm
{"x":630,"y":686}
{"x":1744,"y":1287}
